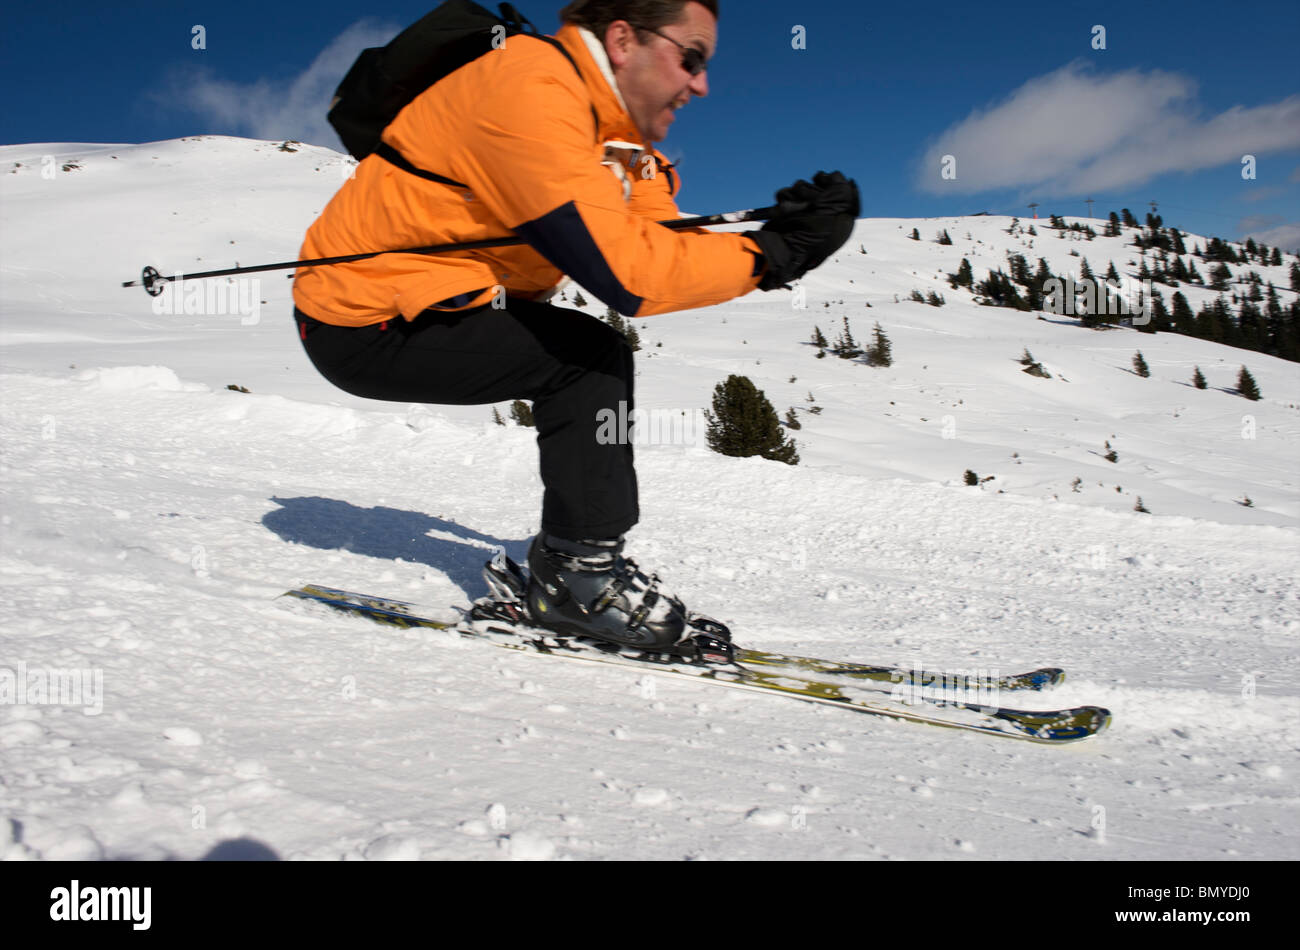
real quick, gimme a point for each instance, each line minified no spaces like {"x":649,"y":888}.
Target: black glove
{"x":813,"y":221}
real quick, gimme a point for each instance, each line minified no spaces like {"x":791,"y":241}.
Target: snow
{"x":149,"y":517}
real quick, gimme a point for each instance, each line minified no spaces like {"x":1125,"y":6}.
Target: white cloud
{"x":292,"y":108}
{"x":1073,"y":131}
{"x":1273,"y":230}
{"x":1264,"y":193}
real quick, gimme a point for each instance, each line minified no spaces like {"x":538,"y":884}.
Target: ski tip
{"x":1085,"y":722}
{"x":1049,"y":677}
{"x":1103,"y":719}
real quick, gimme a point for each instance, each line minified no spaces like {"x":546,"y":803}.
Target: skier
{"x":524,"y":139}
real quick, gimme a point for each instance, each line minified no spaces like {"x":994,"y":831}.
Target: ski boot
{"x":587,"y":590}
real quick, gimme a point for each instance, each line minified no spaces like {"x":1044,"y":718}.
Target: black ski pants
{"x":570,"y":365}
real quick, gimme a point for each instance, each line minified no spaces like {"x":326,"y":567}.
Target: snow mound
{"x":118,"y":379}
{"x":393,"y":848}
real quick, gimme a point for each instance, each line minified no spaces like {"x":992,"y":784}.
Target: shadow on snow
{"x":389,"y":534}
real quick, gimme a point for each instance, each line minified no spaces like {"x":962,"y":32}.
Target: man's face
{"x":650,"y":75}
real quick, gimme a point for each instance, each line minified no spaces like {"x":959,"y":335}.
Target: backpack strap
{"x":667,"y":169}
{"x":512,"y":18}
{"x":394,"y":157}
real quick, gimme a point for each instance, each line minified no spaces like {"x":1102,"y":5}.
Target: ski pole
{"x":153,"y":281}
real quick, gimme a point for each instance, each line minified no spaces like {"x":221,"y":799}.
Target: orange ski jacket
{"x":524,"y":138}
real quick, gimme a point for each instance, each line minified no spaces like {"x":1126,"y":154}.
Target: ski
{"x":909,"y":700}
{"x":875,"y":677}
{"x":508,"y":586}
{"x":1037,"y":680}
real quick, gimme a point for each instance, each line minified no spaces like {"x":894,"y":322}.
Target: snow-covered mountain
{"x":150,"y":516}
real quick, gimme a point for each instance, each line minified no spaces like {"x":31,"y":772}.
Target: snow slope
{"x":149,"y":517}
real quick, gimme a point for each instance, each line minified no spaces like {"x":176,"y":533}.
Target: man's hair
{"x":597,"y":15}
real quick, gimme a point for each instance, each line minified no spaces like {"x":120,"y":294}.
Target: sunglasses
{"x":693,"y":60}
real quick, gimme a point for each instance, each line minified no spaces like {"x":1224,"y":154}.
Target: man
{"x":523,"y":139}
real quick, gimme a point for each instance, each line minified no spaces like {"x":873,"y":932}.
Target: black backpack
{"x":383,"y":80}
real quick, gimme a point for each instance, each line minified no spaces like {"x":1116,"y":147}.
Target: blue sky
{"x":1014,"y":92}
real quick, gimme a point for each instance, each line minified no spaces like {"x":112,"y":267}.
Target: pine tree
{"x":1159,"y":321}
{"x":944,"y":239}
{"x":846,"y":348}
{"x":1160,"y":273}
{"x":579,"y":300}
{"x":916,"y":235}
{"x":1274,"y":322}
{"x":1207,"y":325}
{"x":1219,"y":277}
{"x":625,"y":327}
{"x":1094,"y":314}
{"x":1184,"y":319}
{"x":1041,"y":276}
{"x":963,"y":277}
{"x":522,"y":413}
{"x":1252,"y":333}
{"x":1140,"y":365}
{"x":1111,"y":455}
{"x":1141,"y":508}
{"x":496,"y":417}
{"x":1033,"y":296}
{"x":1198,"y":379}
{"x":819,"y":339}
{"x":1247,"y":386}
{"x":970,"y":478}
{"x":1020,"y":270}
{"x":1032,"y":366}
{"x":743,"y":423}
{"x":1289,"y":339}
{"x":791,"y":420}
{"x":999,"y":291}
{"x":1177,"y":271}
{"x":881,"y":351}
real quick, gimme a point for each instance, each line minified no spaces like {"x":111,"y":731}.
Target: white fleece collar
{"x":597,"y":50}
